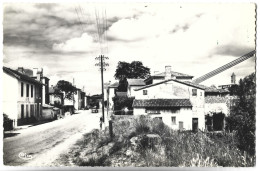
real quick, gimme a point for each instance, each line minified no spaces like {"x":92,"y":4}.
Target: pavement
{"x":40,"y":145}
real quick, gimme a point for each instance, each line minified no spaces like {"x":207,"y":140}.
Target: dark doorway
{"x":180,"y":125}
{"x":218,"y":121}
{"x":195,"y":124}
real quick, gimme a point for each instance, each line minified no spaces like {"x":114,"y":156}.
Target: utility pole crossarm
{"x":102,"y":65}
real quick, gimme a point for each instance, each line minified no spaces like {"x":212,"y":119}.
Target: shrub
{"x":122,"y":102}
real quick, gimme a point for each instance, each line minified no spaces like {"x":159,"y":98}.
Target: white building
{"x":179,"y":103}
{"x":111,"y":92}
{"x":21,"y":96}
{"x":134,"y":84}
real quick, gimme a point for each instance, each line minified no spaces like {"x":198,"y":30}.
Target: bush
{"x":122,"y":102}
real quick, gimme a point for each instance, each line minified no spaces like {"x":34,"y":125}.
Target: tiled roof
{"x":174,"y":74}
{"x":136,"y":82}
{"x":114,"y":85}
{"x":162,"y":103}
{"x":20,"y":76}
{"x":211,"y":99}
{"x":178,"y":81}
{"x":215,"y":90}
{"x":121,"y":93}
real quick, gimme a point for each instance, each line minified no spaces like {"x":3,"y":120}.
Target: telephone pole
{"x":102,"y":65}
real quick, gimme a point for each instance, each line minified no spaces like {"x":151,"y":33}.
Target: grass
{"x":175,"y":149}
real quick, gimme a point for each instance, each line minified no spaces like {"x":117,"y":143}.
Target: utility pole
{"x":102,"y":65}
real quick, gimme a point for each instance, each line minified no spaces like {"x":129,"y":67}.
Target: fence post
{"x":111,"y":129}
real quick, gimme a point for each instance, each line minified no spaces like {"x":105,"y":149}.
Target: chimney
{"x":233,"y":78}
{"x":35,"y":70}
{"x":21,"y":70}
{"x":168,"y":74}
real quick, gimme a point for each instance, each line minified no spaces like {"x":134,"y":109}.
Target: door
{"x":180,"y":125}
{"x":195,"y":124}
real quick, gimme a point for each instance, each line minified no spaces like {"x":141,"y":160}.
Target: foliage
{"x":67,"y":88}
{"x":134,"y":69}
{"x":176,"y":149}
{"x":185,"y":149}
{"x":126,"y":70}
{"x":123,"y":84}
{"x":122,"y":102}
{"x":242,"y":117}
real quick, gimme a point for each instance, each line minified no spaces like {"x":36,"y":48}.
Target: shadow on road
{"x":42,"y":122}
{"x":6,"y":135}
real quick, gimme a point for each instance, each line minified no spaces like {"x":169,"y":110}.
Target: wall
{"x":216,"y":108}
{"x":47,"y":113}
{"x":131,"y":91}
{"x":183,"y":115}
{"x":13,"y":101}
{"x":175,"y":90}
{"x":10,"y":96}
{"x":111,"y":92}
{"x":32,"y":109}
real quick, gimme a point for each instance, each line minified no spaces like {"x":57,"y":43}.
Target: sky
{"x":65,"y":38}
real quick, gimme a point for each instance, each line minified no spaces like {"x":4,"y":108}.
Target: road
{"x":40,"y":145}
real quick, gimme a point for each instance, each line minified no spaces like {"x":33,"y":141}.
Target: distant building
{"x":227,"y":86}
{"x":22,"y":100}
{"x":38,"y":75}
{"x":111,"y":92}
{"x":134,"y":84}
{"x":168,"y":74}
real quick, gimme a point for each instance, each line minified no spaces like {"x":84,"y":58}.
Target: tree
{"x":67,"y":88}
{"x":242,"y":117}
{"x":126,"y":70}
{"x":134,"y":69}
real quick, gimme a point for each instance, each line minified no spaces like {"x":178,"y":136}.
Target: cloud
{"x":193,"y":38}
{"x":83,"y":43}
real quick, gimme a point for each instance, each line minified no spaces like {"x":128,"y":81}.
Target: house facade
{"x":22,"y":100}
{"x":111,"y":92}
{"x":134,"y":84}
{"x":179,"y":104}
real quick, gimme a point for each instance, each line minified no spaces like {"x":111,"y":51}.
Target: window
{"x":22,"y":111}
{"x":144,"y":92}
{"x":194,"y":92}
{"x":200,"y":93}
{"x":173,"y":120}
{"x":21,"y":89}
{"x":31,"y":90}
{"x":27,"y":90}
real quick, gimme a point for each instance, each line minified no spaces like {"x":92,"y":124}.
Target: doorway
{"x":195,"y":124}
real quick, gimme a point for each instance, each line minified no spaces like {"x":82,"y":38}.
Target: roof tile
{"x":162,"y":103}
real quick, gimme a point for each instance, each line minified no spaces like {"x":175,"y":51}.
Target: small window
{"x":173,"y":120}
{"x":21,"y":89}
{"x":194,"y":92}
{"x":31,"y":90}
{"x":144,"y":92}
{"x":27,"y":90}
{"x":200,"y":93}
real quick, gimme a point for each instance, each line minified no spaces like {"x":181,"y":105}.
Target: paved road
{"x":45,"y":142}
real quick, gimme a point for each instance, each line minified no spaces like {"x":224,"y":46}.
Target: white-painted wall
{"x":175,"y":90}
{"x":184,"y":115}
{"x":10,"y":96}
{"x":111,"y":92}
{"x":12,"y":99}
